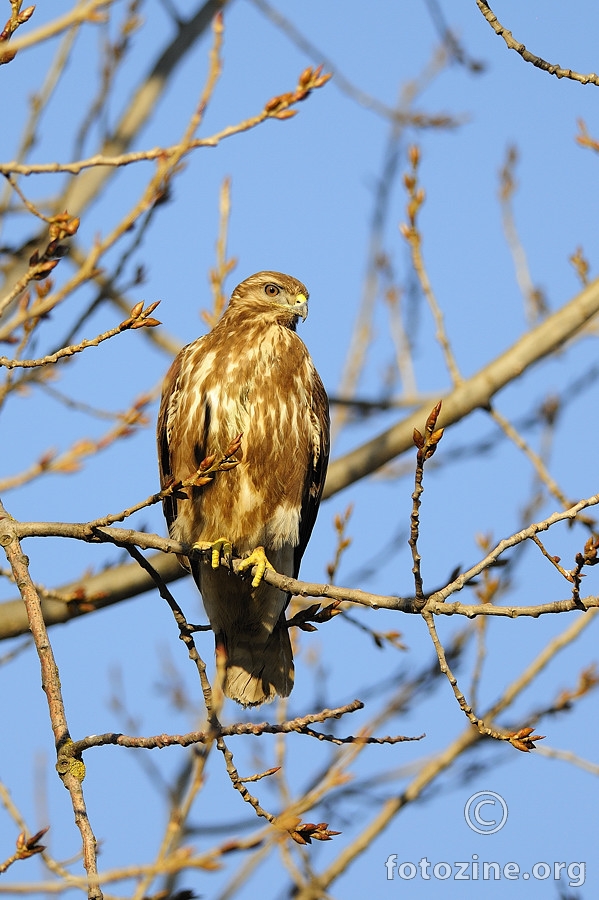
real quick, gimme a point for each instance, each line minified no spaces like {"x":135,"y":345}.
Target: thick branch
{"x":475,"y":393}
{"x":95,"y":592}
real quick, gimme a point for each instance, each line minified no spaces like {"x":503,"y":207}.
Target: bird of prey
{"x":251,"y":376}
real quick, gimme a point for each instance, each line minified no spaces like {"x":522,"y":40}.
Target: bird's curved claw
{"x":217,"y":549}
{"x":256,"y":558}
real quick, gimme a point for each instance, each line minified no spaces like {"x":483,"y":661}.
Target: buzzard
{"x":251,"y":375}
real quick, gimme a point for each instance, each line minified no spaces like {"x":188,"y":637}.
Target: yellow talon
{"x":221,"y":547}
{"x":256,"y":558}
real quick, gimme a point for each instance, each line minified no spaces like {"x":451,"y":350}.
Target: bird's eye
{"x":271,"y":290}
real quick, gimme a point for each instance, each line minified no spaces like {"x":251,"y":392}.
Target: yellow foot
{"x":256,"y":558}
{"x":221,"y":547}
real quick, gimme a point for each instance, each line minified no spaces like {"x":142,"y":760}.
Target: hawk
{"x":251,"y":375}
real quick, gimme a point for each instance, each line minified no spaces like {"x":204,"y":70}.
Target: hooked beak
{"x":301,"y":305}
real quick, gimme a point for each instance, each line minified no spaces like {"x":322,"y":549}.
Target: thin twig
{"x":526,"y":54}
{"x":426,"y":445}
{"x":539,"y":466}
{"x":277,"y":108}
{"x":534,"y":301}
{"x":224,"y":266}
{"x":398,"y":116}
{"x":138,"y":318}
{"x":203,"y":475}
{"x":411,"y":233}
{"x":299,"y":725}
{"x":70,"y":460}
{"x":552,"y":559}
{"x":75,"y":16}
{"x":568,"y":756}
{"x":478,"y":723}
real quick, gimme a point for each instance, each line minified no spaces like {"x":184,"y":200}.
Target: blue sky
{"x":302,"y":195}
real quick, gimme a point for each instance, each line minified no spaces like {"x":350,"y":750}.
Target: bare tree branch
{"x":526,"y":55}
{"x":112,"y":586}
{"x":76,"y":16}
{"x":70,"y":767}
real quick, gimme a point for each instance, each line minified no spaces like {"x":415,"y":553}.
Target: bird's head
{"x":278,"y":297}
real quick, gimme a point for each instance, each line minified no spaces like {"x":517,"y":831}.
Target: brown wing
{"x":169,"y":391}
{"x":316,"y":473}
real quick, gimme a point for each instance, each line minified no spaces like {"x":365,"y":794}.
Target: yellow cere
{"x":300,"y":298}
